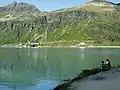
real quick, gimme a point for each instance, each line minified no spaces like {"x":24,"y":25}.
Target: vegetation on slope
{"x":91,"y":23}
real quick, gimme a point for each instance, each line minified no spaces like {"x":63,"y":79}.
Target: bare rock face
{"x":19,"y":7}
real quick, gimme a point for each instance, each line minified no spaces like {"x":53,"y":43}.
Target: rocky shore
{"x":94,"y":79}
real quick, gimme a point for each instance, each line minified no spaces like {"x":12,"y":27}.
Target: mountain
{"x":96,"y":22}
{"x":19,"y":7}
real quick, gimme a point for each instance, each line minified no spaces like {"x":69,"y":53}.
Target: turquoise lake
{"x":45,"y":68}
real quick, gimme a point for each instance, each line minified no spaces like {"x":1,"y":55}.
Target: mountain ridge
{"x":19,"y":7}
{"x":91,"y":1}
{"x":88,"y":23}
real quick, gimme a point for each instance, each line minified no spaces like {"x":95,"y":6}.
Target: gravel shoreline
{"x":92,"y":79}
{"x":108,"y":80}
{"x":82,"y":47}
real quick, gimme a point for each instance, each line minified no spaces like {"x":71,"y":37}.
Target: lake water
{"x":44,"y":68}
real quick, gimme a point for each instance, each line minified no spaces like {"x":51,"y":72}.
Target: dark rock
{"x":97,"y":78}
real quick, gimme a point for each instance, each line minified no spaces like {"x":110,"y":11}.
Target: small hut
{"x":82,"y":44}
{"x":34,"y":44}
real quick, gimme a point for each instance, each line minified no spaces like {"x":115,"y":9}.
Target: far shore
{"x":70,"y":46}
{"x":103,"y":46}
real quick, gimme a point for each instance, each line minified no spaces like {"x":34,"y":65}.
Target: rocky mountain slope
{"x":96,"y":22}
{"x":19,"y":7}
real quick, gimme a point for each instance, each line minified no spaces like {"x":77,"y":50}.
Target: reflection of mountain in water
{"x":37,"y":67}
{"x":28,"y":67}
{"x":31,"y":66}
{"x":21,"y":67}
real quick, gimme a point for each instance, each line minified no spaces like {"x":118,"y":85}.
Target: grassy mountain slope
{"x":96,"y":22}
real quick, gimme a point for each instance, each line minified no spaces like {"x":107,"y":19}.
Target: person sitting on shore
{"x":102,"y":66}
{"x":107,"y":64}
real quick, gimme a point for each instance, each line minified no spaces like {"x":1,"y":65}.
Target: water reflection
{"x":82,"y":54}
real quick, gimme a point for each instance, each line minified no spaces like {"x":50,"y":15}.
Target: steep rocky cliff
{"x":96,"y":21}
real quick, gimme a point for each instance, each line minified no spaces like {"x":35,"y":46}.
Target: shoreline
{"x":82,"y":47}
{"x":108,"y":80}
{"x":68,"y":84}
{"x":103,"y":46}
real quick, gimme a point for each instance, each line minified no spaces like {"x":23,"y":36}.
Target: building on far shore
{"x":34,"y":44}
{"x":82,"y":44}
{"x":30,"y":44}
